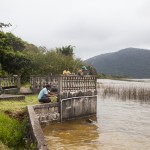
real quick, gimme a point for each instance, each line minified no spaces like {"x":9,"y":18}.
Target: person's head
{"x":84,"y":68}
{"x":48,"y":86}
{"x":67,"y":69}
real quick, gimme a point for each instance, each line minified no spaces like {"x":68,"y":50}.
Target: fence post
{"x":17,"y":81}
{"x":0,"y":89}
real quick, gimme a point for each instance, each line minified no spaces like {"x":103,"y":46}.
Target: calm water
{"x":119,"y":125}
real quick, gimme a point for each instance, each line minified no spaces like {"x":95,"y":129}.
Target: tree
{"x":66,"y":51}
{"x":91,"y":70}
{"x":20,"y":57}
{"x":3,"y":25}
{"x":12,"y":59}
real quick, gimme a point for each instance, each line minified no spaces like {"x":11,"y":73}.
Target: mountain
{"x":131,"y":62}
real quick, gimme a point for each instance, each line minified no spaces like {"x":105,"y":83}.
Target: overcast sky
{"x":93,"y":26}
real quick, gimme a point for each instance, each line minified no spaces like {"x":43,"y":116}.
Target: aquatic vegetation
{"x":127,"y":90}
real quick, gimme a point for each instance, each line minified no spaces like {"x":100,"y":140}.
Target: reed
{"x":126,"y":92}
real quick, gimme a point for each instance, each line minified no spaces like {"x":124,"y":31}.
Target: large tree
{"x":12,"y":60}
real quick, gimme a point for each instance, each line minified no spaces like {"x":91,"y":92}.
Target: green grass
{"x":15,"y":106}
{"x":12,"y":127}
{"x":3,"y":147}
{"x":26,"y":85}
{"x":12,"y":131}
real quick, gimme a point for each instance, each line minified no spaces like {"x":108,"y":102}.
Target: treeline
{"x":24,"y":59}
{"x":107,"y":76}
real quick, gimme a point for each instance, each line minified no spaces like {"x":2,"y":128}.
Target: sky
{"x":93,"y":27}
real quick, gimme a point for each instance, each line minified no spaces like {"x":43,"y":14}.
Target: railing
{"x":64,"y":83}
{"x":76,"y":83}
{"x":38,"y":82}
{"x":8,"y":82}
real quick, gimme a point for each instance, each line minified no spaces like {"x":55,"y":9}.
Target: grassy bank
{"x":13,"y":123}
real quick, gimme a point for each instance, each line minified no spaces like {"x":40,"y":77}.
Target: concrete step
{"x":12,"y":97}
{"x":24,"y":90}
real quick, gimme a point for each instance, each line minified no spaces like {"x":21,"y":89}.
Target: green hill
{"x":131,"y":62}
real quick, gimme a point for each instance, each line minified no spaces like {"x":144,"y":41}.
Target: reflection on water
{"x":119,"y":125}
{"x":124,"y":125}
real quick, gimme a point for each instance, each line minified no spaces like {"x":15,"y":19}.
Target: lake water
{"x":118,"y":125}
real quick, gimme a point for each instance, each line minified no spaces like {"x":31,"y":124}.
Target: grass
{"x":16,"y":106}
{"x":27,"y":85}
{"x":11,"y":131}
{"x":3,"y":147}
{"x":13,"y":122}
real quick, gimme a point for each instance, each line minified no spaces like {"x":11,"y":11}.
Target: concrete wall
{"x":11,"y":91}
{"x":71,"y":105}
{"x":47,"y":113}
{"x":35,"y":131}
{"x":78,"y":107}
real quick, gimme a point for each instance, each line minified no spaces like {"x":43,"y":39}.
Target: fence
{"x":9,"y":82}
{"x":64,"y":83}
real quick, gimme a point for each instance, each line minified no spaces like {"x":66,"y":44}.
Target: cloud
{"x":92,"y":26}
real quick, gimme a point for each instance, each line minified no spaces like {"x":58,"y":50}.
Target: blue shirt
{"x":42,"y":93}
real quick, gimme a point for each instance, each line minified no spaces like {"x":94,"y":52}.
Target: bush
{"x":12,"y":131}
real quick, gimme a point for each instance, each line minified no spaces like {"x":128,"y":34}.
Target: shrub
{"x":12,"y":131}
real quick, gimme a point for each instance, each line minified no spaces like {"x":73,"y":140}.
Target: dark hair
{"x":48,"y":86}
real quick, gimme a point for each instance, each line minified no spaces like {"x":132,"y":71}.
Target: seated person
{"x":66,"y":72}
{"x":44,"y":94}
{"x":82,"y":71}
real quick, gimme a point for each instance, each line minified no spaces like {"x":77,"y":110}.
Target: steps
{"x":12,"y":97}
{"x":25,"y":91}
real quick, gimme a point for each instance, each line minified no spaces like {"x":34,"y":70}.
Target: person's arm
{"x":51,"y":94}
{"x":68,"y":72}
{"x":64,"y":72}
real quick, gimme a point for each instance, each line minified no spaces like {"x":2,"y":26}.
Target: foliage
{"x":66,"y":51}
{"x":91,"y":70}
{"x":4,"y":25}
{"x":25,"y":59}
{"x":131,"y":62}
{"x":12,"y":60}
{"x":11,"y":131}
{"x":3,"y":147}
{"x":14,"y":63}
{"x":106,"y":76}
{"x":10,"y":42}
{"x":48,"y":62}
